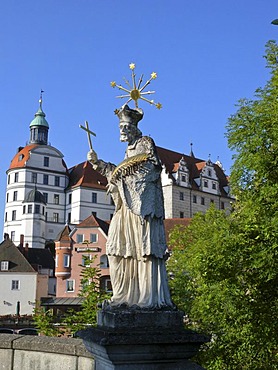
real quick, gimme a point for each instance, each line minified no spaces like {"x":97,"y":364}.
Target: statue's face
{"x":127,"y":131}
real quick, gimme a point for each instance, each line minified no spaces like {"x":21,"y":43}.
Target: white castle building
{"x":43,"y":195}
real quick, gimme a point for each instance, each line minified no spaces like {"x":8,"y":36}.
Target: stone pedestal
{"x":142,"y":340}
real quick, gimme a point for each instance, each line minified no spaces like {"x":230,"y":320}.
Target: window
{"x":45,"y":216}
{"x":56,"y":198}
{"x":194,"y":199}
{"x":181,"y":215}
{"x":181,"y":196}
{"x":45,"y":197}
{"x":214,"y":185}
{"x":12,"y":236}
{"x":24,"y":209}
{"x":4,"y":265}
{"x":70,"y":285}
{"x":69,"y":217}
{"x":29,"y":208}
{"x":34,"y":177}
{"x":108,"y":285}
{"x":93,"y":238}
{"x":222,"y":205}
{"x":211,"y":201}
{"x":46,"y":161}
{"x":9,"y":179}
{"x":43,"y":210}
{"x":86,"y":260}
{"x":66,"y":260}
{"x":55,"y":217}
{"x":203,"y":201}
{"x":183,"y":178}
{"x":15,"y":284}
{"x":56,"y":260}
{"x":57,"y":181}
{"x":15,"y":196}
{"x":205,"y":184}
{"x":7,"y":197}
{"x":94,"y":197}
{"x":37,"y":208}
{"x":79,"y":238}
{"x":209,"y":173}
{"x":104,"y":261}
{"x":45,"y":179}
{"x":16,"y":177}
{"x":13,"y":215}
{"x":6,"y":216}
{"x":70,"y":198}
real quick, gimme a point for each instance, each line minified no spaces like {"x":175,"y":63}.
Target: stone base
{"x":142,"y":340}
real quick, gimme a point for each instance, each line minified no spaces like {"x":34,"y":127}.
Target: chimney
{"x":26,"y":249}
{"x":21,"y":241}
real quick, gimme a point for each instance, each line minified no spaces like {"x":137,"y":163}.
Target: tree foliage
{"x":92,"y":293}
{"x":73,"y":320}
{"x":228,"y":283}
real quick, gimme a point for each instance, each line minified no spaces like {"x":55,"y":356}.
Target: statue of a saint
{"x":136,"y":243}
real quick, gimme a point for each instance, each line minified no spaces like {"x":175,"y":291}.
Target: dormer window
{"x":205,"y":184}
{"x":4,"y":265}
{"x":209,"y":173}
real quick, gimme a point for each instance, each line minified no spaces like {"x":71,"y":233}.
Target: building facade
{"x":43,"y":195}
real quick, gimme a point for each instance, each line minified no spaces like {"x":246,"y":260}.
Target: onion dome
{"x":39,"y":127}
{"x":34,"y":196}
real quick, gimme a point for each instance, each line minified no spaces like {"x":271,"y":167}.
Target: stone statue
{"x":136,"y":244}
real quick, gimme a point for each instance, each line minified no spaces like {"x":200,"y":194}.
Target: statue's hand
{"x":92,"y":156}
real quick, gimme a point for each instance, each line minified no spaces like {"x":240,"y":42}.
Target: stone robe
{"x":136,"y":243}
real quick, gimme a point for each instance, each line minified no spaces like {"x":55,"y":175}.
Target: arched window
{"x":104,"y":261}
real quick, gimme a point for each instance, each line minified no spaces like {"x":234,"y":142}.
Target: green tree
{"x":45,"y":322}
{"x":228,"y":283}
{"x":93,"y":294}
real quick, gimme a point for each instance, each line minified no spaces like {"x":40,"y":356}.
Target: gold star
{"x":135,"y":91}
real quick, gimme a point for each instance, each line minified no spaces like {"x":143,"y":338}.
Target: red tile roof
{"x":170,"y":160}
{"x":22,"y":156}
{"x":84,"y":175}
{"x":93,"y":221}
{"x":170,"y":223}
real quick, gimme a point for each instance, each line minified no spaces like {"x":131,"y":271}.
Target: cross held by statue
{"x":89,"y":133}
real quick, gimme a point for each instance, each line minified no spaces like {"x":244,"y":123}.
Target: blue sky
{"x":207,"y":54}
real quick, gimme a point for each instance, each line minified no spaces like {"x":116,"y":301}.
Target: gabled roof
{"x":64,"y":235}
{"x":93,"y":221}
{"x":84,"y":175}
{"x":39,"y":256}
{"x":170,"y":159}
{"x":17,"y":261}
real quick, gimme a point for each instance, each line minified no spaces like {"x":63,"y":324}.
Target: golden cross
{"x":89,"y":133}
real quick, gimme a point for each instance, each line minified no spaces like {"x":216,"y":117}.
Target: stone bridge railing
{"x":28,"y":352}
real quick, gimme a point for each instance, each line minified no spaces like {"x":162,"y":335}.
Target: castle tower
{"x":33,"y":218}
{"x":39,"y":127}
{"x":35,"y":193}
{"x":63,"y":253}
